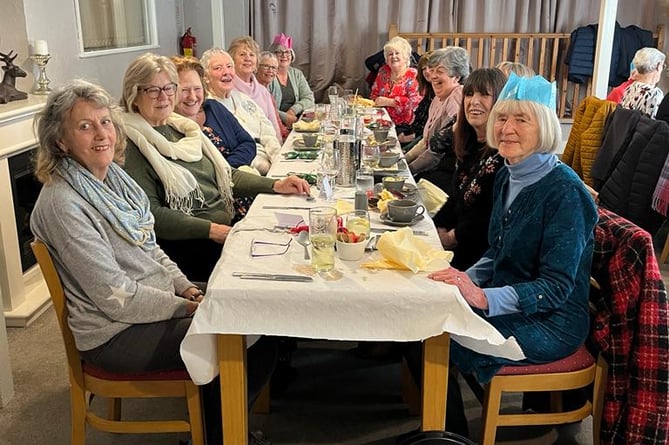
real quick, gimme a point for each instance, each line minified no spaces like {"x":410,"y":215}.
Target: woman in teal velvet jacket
{"x":533,"y":281}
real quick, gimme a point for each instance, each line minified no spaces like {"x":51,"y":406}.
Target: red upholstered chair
{"x":88,"y":380}
{"x":574,"y":372}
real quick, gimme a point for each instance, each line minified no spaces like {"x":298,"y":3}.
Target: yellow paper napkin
{"x":403,"y":250}
{"x":432,"y":196}
{"x":344,"y":207}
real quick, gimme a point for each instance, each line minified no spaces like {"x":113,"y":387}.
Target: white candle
{"x":40,"y":47}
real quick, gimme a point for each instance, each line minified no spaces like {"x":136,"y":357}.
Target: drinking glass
{"x":333,"y":94}
{"x":321,"y":112}
{"x":330,"y":164}
{"x":322,"y":234}
{"x":357,"y":222}
{"x":370,"y":157}
{"x":364,"y":182}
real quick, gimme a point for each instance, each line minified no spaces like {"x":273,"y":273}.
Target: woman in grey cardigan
{"x":130,"y":306}
{"x":290,"y":88}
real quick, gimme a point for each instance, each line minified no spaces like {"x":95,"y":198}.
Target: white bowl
{"x":351,"y":251}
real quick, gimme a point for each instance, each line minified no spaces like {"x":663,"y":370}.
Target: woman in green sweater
{"x":189,"y":183}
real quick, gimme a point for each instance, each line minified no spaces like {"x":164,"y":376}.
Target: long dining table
{"x":351,"y":303}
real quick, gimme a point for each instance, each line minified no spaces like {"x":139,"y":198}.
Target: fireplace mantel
{"x":24,"y":295}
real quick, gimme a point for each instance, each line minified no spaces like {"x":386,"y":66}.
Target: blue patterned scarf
{"x":118,"y":199}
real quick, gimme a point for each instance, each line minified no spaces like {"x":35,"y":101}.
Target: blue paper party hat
{"x":535,"y":89}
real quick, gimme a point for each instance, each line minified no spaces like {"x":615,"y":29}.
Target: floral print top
{"x":404,"y":91}
{"x":470,"y":204}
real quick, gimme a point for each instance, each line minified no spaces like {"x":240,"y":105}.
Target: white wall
{"x":54,"y":21}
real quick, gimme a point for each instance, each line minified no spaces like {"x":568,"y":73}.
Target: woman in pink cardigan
{"x":244,"y":52}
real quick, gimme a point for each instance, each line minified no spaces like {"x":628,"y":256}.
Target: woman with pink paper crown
{"x":290,"y":88}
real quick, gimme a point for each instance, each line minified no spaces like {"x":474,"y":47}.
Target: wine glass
{"x":370,"y":157}
{"x":330,"y":163}
{"x":333,"y":94}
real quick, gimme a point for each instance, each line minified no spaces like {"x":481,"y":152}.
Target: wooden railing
{"x":543,"y":52}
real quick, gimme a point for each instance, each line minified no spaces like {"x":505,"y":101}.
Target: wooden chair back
{"x":545,"y":53}
{"x":115,"y":386}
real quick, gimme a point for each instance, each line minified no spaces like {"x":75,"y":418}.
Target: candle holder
{"x":43,"y":82}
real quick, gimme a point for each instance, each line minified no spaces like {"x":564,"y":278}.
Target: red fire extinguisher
{"x":188,"y":43}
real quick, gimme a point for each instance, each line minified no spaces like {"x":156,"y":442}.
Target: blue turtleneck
{"x":527,"y":172}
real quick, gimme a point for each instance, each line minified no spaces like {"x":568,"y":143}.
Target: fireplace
{"x":22,"y":288}
{"x":25,"y":189}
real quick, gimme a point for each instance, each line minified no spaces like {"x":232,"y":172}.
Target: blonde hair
{"x":508,"y":67}
{"x":245,"y":41}
{"x":399,"y":44}
{"x":50,"y":122}
{"x":140,"y":72}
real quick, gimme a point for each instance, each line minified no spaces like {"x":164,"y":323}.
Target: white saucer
{"x":386,"y":220}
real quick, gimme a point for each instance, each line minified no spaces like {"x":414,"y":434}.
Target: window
{"x":113,"y":26}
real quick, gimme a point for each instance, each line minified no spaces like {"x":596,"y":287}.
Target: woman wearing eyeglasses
{"x":643,"y":94}
{"x":189,"y":183}
{"x":290,"y":88}
{"x":268,"y":65}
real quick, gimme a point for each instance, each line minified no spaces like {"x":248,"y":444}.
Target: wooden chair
{"x":85,"y":378}
{"x":579,"y":370}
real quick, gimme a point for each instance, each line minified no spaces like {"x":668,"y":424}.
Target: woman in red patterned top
{"x":396,"y":86}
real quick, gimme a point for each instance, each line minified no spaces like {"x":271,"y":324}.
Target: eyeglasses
{"x":268,"y":67}
{"x":154,"y":92}
{"x":269,"y":248}
{"x":280,"y":52}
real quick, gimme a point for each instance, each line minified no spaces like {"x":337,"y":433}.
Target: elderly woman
{"x":532,"y":283}
{"x":395,"y":86}
{"x":219,"y":74}
{"x":190,"y":185}
{"x":130,"y":306}
{"x":643,"y":94}
{"x":449,"y":67}
{"x":290,"y":88}
{"x":462,"y":222}
{"x":220,"y":126}
{"x":268,"y":64}
{"x":244,"y":52}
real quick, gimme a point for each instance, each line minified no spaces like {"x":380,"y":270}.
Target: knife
{"x":271,"y":277}
{"x":382,"y":230}
{"x":286,"y":207}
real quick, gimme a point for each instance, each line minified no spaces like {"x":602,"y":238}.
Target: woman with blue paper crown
{"x":532,"y":283}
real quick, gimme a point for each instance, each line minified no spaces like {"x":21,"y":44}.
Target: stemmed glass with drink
{"x":330,"y":164}
{"x":370,"y":157}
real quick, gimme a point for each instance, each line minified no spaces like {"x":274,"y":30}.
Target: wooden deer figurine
{"x":8,"y":91}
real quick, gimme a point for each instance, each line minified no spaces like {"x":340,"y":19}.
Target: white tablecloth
{"x":361,"y":304}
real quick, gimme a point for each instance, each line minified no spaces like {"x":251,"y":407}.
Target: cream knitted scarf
{"x":181,"y":187}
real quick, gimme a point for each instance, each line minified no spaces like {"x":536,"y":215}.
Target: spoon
{"x":303,"y":238}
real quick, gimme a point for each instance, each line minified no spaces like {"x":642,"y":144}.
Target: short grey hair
{"x":50,"y":121}
{"x":399,"y":44}
{"x":140,"y":72}
{"x":647,"y":60}
{"x":267,"y":55}
{"x":550,"y":133}
{"x":453,"y":58}
{"x":208,"y":54}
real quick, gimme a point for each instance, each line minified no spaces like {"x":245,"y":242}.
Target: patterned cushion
{"x":580,"y":359}
{"x":176,"y":374}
